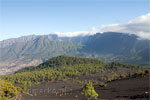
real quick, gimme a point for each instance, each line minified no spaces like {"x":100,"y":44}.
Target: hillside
{"x":34,"y":52}
{"x":110,"y":46}
{"x":62,"y":67}
{"x":40,"y":48}
{"x":63,"y":61}
{"x":72,"y":73}
{"x":119,"y":46}
{"x":57,"y":67}
{"x":26,"y":39}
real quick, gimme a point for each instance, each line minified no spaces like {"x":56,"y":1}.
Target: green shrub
{"x":20,"y":89}
{"x":142,"y":73}
{"x":96,"y":81}
{"x":4,"y":98}
{"x":7,"y":90}
{"x":122,"y":76}
{"x":130,"y":74}
{"x":109,"y":80}
{"x":139,"y":73}
{"x":65,"y":87}
{"x":88,"y":91}
{"x":102,"y":84}
{"x":146,"y":71}
{"x":136,"y":74}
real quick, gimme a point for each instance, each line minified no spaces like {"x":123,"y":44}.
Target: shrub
{"x":96,"y":81}
{"x":136,"y":74}
{"x":122,"y":76}
{"x":130,"y":74}
{"x":7,"y":90}
{"x":102,"y":84}
{"x":146,"y":71}
{"x":4,"y":98}
{"x":88,"y":90}
{"x":20,"y":89}
{"x":142,"y":73}
{"x":65,"y":87}
{"x":80,"y":82}
{"x":109,"y":80}
{"x":139,"y":73}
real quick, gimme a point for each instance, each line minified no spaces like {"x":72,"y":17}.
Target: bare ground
{"x":123,"y":89}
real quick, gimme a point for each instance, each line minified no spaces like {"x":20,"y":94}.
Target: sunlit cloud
{"x":139,"y":26}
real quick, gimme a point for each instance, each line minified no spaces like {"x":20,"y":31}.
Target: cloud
{"x":139,"y":26}
{"x":72,"y":34}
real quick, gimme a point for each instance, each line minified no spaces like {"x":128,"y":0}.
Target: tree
{"x":88,"y":90}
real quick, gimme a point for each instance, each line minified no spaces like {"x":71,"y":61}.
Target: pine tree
{"x":88,"y":90}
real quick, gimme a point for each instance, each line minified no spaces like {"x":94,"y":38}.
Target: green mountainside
{"x":110,"y":46}
{"x":62,"y":67}
{"x":56,"y":68}
{"x":40,"y":48}
{"x":63,"y":61}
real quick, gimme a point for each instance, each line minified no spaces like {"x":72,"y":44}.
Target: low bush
{"x":146,"y":71}
{"x":102,"y":84}
{"x":122,"y":76}
{"x":139,"y":73}
{"x":7,"y":90}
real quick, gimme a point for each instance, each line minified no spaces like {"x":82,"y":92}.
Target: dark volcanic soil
{"x":133,"y":88}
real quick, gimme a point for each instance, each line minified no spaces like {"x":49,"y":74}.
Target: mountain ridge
{"x":109,"y":46}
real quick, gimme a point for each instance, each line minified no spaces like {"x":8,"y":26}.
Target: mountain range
{"x":32,"y":50}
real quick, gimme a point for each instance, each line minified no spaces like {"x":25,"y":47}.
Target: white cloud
{"x":139,"y":26}
{"x":72,"y":34}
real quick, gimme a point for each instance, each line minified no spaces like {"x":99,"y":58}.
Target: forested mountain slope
{"x":122,"y":47}
{"x":63,"y":61}
{"x":109,"y":46}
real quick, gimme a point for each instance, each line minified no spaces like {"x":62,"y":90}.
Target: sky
{"x":72,"y":17}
